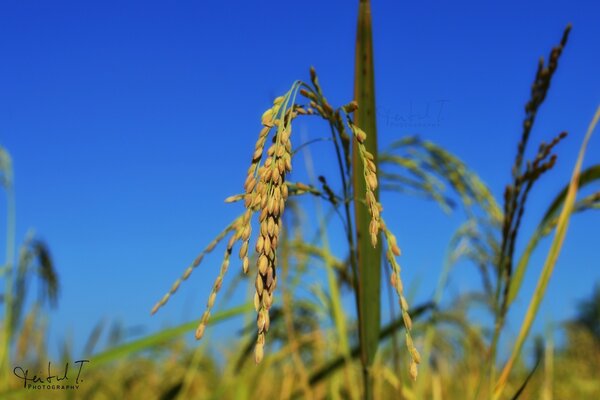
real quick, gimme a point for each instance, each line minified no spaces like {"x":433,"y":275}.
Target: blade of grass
{"x":163,"y":336}
{"x":369,"y":258}
{"x":561,"y":230}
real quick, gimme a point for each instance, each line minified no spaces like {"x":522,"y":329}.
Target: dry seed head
{"x":263,"y":215}
{"x":404,"y":303}
{"x":243,"y":250}
{"x":371,"y":166}
{"x":281,"y":167}
{"x":351,"y":107}
{"x":284,"y":191}
{"x":267,"y":300}
{"x":393,"y":245}
{"x":259,"y":350}
{"x":413,"y":370}
{"x":372,"y":181}
{"x":259,"y":244}
{"x":200,"y":331}
{"x":270,"y":205}
{"x":263,"y":227}
{"x":233,"y":199}
{"x":281,"y":207}
{"x":260,"y":321}
{"x":218,"y":283}
{"x":269,"y":192}
{"x":407,"y":321}
{"x":211,"y":300}
{"x":263,"y":262}
{"x":256,"y":302}
{"x":267,"y":321}
{"x":233,"y":227}
{"x":267,"y":246}
{"x":361,"y":136}
{"x":175,"y":286}
{"x":409,"y":342}
{"x":271,"y":226}
{"x":231,"y":242}
{"x":308,"y":95}
{"x":248,"y":198}
{"x":257,"y":155}
{"x":267,"y":118}
{"x":270,"y":277}
{"x":258,"y":284}
{"x":278,"y":100}
{"x":414,"y":353}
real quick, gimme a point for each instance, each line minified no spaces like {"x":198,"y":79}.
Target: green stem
{"x":369,"y":258}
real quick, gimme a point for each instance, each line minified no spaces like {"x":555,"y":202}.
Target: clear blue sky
{"x":130,"y":122}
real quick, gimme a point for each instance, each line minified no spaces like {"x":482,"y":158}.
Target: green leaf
{"x":369,"y":258}
{"x":161,"y":337}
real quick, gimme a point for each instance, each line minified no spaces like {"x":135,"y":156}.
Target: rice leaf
{"x":369,"y":258}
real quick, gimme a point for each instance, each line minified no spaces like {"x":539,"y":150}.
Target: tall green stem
{"x":369,"y":258}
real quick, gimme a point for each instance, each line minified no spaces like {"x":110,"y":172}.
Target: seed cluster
{"x":393,"y":251}
{"x":266,"y":194}
{"x":238,"y":229}
{"x":232,"y":227}
{"x":370,"y":175}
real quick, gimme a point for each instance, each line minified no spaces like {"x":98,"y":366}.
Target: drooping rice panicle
{"x":392,"y":252}
{"x":370,"y":175}
{"x":377,"y":224}
{"x":269,"y":199}
{"x":188,"y":271}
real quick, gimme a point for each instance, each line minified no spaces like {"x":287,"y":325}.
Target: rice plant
{"x":312,"y":346}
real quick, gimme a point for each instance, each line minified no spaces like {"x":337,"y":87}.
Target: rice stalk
{"x":368,"y":254}
{"x":552,"y":257}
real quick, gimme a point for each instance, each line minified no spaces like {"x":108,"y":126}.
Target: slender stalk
{"x":369,"y":258}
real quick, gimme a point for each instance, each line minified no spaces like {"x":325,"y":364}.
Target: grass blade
{"x":369,"y":258}
{"x":162,"y":336}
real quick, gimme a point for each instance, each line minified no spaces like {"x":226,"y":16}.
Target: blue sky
{"x":129,"y":123}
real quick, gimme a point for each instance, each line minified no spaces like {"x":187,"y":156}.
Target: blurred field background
{"x":125,"y":126}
